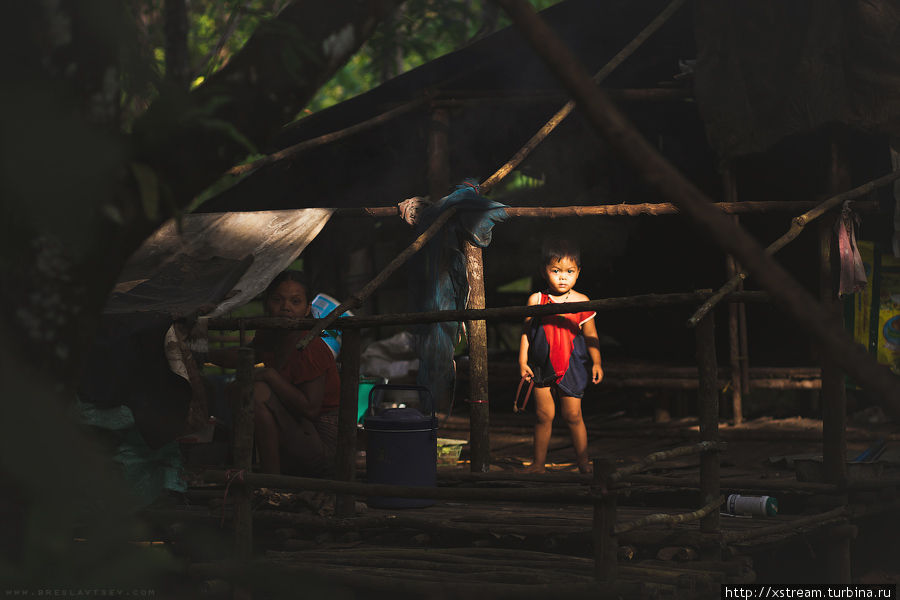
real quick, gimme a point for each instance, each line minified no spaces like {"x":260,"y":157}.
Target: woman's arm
{"x":592,"y":341}
{"x":304,"y":400}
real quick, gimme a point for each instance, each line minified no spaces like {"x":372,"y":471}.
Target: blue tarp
{"x":438,"y":280}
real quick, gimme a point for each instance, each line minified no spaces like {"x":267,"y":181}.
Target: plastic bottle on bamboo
{"x":758,"y":506}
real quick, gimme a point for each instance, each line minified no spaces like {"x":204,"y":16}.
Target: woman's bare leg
{"x":570,"y":410}
{"x":545,"y":410}
{"x":265,"y":430}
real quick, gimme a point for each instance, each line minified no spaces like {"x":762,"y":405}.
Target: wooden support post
{"x":345,"y":457}
{"x":745,"y":347}
{"x":729,"y":185}
{"x":834,"y":395}
{"x":834,"y":398}
{"x":708,"y":413}
{"x":476,"y":337}
{"x":242,"y":451}
{"x":734,"y":349}
{"x":438,"y":184}
{"x":837,"y":556}
{"x":438,"y":154}
{"x":606,"y":546}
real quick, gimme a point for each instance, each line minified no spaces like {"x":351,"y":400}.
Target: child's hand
{"x":596,"y":373}
{"x":525,"y":372}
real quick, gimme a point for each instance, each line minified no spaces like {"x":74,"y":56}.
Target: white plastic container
{"x":759,"y":506}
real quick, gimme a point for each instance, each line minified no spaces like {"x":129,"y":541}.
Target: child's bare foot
{"x":534,"y":468}
{"x":585,"y":468}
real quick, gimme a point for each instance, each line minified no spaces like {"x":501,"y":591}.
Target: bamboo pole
{"x":668,"y":537}
{"x":476,"y":339}
{"x":438,"y":175}
{"x":700,"y":448}
{"x":630,"y":96}
{"x":798,"y":224}
{"x":449,"y":585}
{"x":663,"y":177}
{"x":667,"y":519}
{"x":292,"y":151}
{"x":738,"y":484}
{"x":734,"y":350}
{"x":606,"y":547}
{"x":430,"y":525}
{"x":729,"y":184}
{"x":258,"y":480}
{"x":438,"y":156}
{"x":345,"y":456}
{"x":793,"y":527}
{"x":730,"y":483}
{"x":834,"y":394}
{"x":455,"y":98}
{"x":623,"y":482}
{"x":834,"y":397}
{"x":708,"y":413}
{"x":690,"y":580}
{"x":511,"y":313}
{"x":692,"y":384}
{"x":745,"y":346}
{"x":242,"y":450}
{"x":620,"y":210}
{"x":564,"y":112}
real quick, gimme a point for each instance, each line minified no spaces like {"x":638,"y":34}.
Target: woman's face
{"x":288,"y":300}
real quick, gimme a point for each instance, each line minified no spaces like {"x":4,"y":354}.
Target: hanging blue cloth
{"x":438,"y":280}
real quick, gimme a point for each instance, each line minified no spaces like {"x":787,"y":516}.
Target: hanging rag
{"x":438,"y":280}
{"x":852,"y":270}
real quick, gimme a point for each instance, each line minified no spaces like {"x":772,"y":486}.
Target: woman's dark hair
{"x":559,"y":248}
{"x":289,"y":275}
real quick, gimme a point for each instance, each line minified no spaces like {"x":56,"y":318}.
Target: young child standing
{"x":554,"y":352}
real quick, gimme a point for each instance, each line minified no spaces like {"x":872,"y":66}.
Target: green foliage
{"x":420,"y":31}
{"x":423,"y":30}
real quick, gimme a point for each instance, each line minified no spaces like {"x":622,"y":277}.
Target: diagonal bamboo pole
{"x":797,"y":226}
{"x":661,"y":175}
{"x":327,"y":138}
{"x":569,"y":106}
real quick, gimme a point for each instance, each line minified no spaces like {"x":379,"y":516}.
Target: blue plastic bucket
{"x":401,"y":446}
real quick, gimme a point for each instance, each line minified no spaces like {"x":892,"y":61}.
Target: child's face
{"x":561,"y":275}
{"x":288,"y":300}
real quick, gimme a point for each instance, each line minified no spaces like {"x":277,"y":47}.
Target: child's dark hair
{"x":558,"y":248}
{"x":289,"y":275}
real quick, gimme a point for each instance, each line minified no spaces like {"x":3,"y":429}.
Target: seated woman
{"x":297,"y":393}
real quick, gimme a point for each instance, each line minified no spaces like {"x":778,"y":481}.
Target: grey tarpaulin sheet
{"x":224,"y":259}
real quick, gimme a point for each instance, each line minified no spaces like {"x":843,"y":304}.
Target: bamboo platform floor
{"x":509,"y":549}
